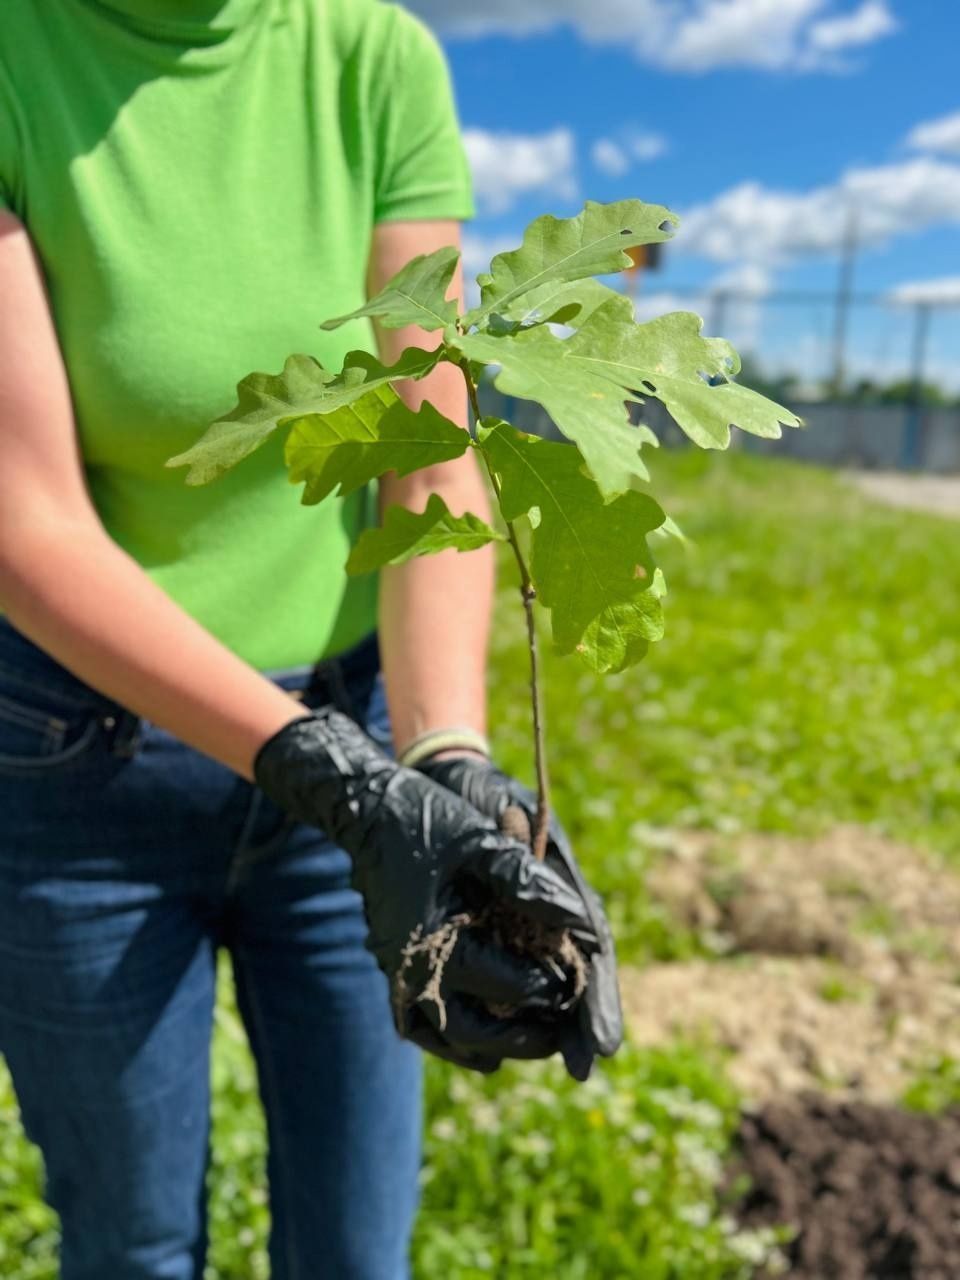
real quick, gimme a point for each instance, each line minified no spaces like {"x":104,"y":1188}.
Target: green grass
{"x":935,"y":1088}
{"x":808,"y":677}
{"x":526,"y":1174}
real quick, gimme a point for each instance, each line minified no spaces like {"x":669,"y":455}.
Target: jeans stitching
{"x":271,"y":1089}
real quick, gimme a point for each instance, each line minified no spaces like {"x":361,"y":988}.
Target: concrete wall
{"x":882,"y":437}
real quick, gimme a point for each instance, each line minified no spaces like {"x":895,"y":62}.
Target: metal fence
{"x":884,"y":338}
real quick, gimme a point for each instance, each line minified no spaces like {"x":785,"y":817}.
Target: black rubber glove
{"x":422,"y":857}
{"x":597,"y":1024}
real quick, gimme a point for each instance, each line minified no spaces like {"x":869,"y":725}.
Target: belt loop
{"x":126,"y":733}
{"x":327,"y":682}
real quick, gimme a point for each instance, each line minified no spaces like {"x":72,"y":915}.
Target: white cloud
{"x":941,"y":135}
{"x":507,"y":166}
{"x":479,"y":251}
{"x":945,"y":289}
{"x":735,"y":306}
{"x":864,"y":25}
{"x":686,"y":35}
{"x":610,"y":157}
{"x":753,"y":223}
{"x":647,"y":146}
{"x":616,"y":156}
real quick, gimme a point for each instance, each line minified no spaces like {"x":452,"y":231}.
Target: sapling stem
{"x":528,"y":594}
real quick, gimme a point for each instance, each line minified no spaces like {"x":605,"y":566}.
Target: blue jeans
{"x":127,"y":860}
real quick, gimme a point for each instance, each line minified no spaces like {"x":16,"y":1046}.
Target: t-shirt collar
{"x":182,"y":17}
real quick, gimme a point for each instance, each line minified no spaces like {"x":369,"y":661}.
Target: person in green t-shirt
{"x":195,"y":750}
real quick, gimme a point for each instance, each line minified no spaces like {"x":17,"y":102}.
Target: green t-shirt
{"x":201,"y":179}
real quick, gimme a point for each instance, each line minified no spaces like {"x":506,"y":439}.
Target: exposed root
{"x":438,"y":948}
{"x":555,"y":949}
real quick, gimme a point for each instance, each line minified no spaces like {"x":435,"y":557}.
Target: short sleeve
{"x":10,"y":168}
{"x":421,"y":165}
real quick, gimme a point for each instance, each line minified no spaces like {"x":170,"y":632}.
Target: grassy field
{"x":808,"y":676}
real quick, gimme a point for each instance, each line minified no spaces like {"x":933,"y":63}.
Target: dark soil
{"x":872,"y":1192}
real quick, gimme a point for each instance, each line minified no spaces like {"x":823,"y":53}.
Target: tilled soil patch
{"x":872,"y":1192}
{"x":837,"y":966}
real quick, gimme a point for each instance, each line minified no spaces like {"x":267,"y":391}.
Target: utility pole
{"x":913,"y":423}
{"x":848,"y":257}
{"x":718,"y":311}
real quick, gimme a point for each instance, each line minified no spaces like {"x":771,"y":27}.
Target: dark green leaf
{"x":590,"y":561}
{"x":352,"y":445}
{"x":405,"y":534}
{"x":417,"y":294}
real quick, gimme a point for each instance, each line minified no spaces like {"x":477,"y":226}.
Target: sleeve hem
{"x":454,"y":206}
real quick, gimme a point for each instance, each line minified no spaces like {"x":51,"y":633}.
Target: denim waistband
{"x":328,"y":680}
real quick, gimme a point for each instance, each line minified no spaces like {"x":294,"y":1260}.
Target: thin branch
{"x":528,"y":593}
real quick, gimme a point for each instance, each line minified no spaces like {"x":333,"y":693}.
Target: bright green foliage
{"x":583,"y":381}
{"x":268,"y":401}
{"x":569,"y":303}
{"x":558,"y":249}
{"x":416,"y":295}
{"x":526,"y":1174}
{"x":588,"y":408}
{"x":591,"y":562}
{"x":358,"y":442}
{"x":670,"y":359}
{"x":406,"y":534}
{"x":935,"y":1088}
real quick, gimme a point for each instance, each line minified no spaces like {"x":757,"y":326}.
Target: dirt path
{"x":837,"y":961}
{"x":836,"y":977}
{"x":936,"y":495}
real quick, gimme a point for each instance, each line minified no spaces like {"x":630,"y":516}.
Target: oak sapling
{"x":573,"y":512}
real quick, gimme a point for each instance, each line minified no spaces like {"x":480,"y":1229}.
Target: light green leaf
{"x":587,"y":408}
{"x":559,"y":249}
{"x":590,"y":561}
{"x":267,"y":401}
{"x":405,"y":534}
{"x":707,"y":413}
{"x":583,"y":381}
{"x":417,"y":294}
{"x":670,"y":529}
{"x":357,"y":442}
{"x":670,"y":359}
{"x":569,"y":302}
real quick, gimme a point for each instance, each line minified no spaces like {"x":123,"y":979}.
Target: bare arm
{"x":67,"y":586}
{"x":435,"y":611}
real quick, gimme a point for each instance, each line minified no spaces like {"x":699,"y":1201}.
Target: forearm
{"x":434,"y":611}
{"x":74,"y":592}
{"x":435,"y":616}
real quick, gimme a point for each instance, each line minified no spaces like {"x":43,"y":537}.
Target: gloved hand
{"x":422,"y":858}
{"x":597,"y":1027}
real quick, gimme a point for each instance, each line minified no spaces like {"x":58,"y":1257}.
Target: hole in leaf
{"x":639,"y":572}
{"x":626,"y":232}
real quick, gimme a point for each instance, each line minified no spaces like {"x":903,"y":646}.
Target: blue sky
{"x":765,"y":123}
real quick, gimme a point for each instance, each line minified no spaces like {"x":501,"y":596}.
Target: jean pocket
{"x":36,"y":733}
